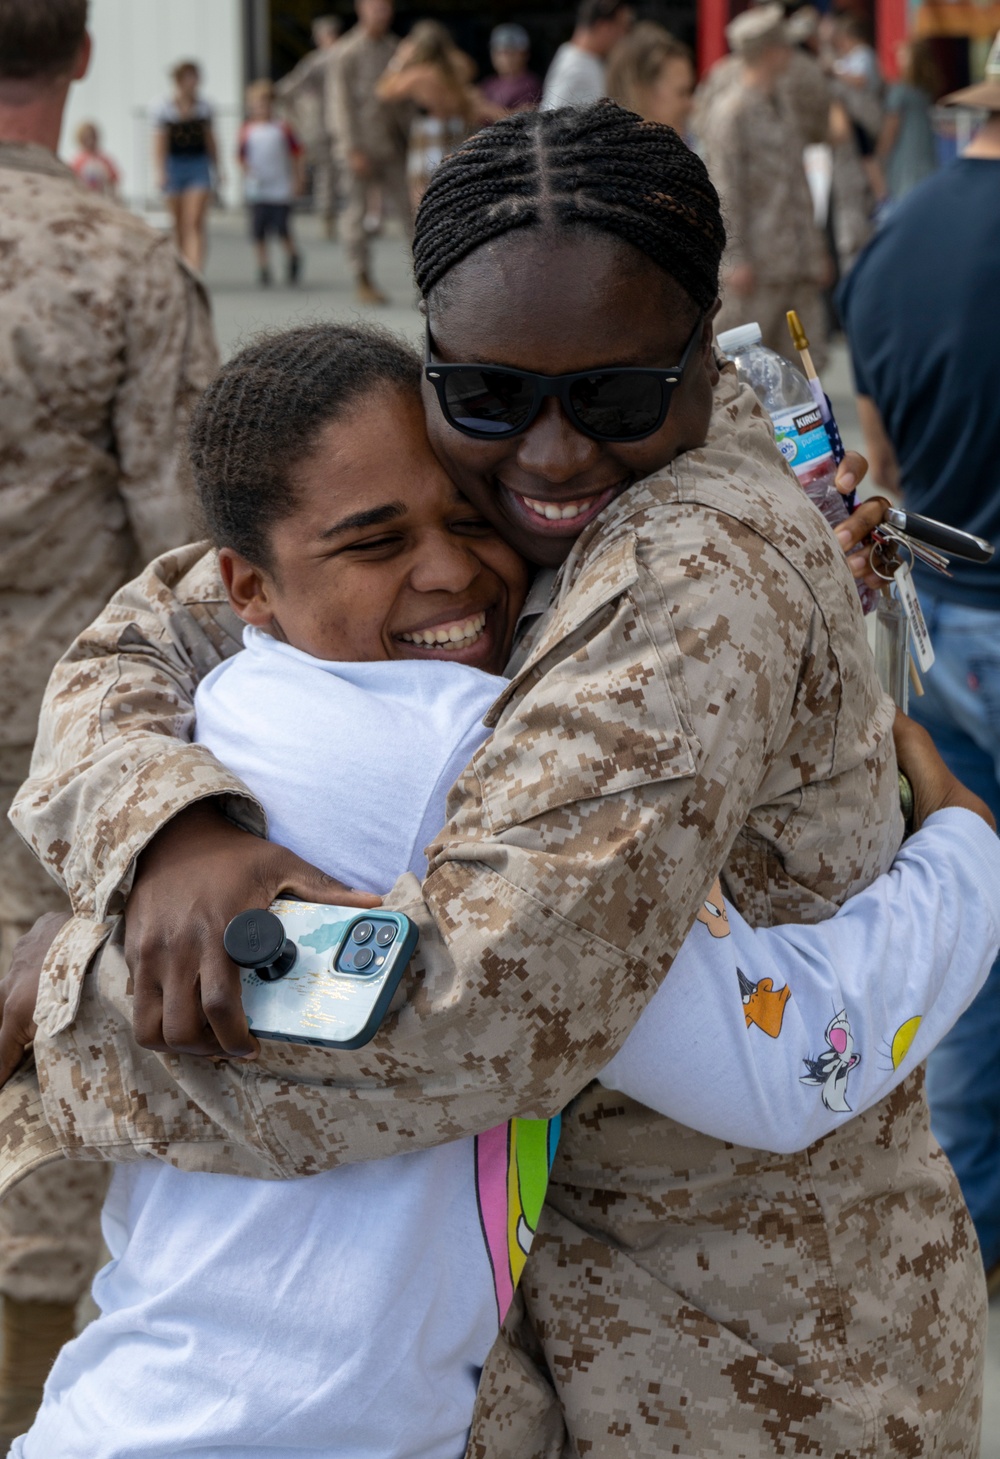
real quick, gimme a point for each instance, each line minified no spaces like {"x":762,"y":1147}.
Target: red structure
{"x":713,"y":17}
{"x":892,"y":25}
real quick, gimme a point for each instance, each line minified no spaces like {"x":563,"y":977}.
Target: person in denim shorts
{"x":186,"y":160}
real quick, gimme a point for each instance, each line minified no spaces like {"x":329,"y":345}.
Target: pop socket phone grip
{"x":257,"y":940}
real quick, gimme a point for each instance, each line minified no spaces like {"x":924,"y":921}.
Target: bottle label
{"x":802,"y":439}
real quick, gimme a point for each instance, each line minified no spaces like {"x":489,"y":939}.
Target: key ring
{"x":897,"y":543}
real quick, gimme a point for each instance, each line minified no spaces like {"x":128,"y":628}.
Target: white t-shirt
{"x":266,"y":150}
{"x":347,"y":1314}
{"x":575,"y":78}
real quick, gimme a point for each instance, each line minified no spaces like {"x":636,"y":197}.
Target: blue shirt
{"x":921,"y":309}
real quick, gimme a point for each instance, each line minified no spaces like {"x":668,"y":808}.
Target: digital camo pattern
{"x":106,"y":341}
{"x":804,"y":87}
{"x":700,"y":694}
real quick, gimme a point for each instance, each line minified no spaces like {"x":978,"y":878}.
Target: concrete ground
{"x":243,"y":309}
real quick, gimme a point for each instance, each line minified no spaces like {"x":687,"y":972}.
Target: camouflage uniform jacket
{"x":804,"y":87}
{"x":357,"y":119}
{"x":106,"y":341}
{"x":698,"y":694}
{"x":752,"y":147}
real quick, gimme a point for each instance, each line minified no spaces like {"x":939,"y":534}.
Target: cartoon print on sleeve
{"x":831,"y":1068}
{"x":763,"y":1003}
{"x":898,"y":1049}
{"x":512,"y":1172}
{"x":712,"y":912}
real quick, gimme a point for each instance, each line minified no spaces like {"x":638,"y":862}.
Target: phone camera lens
{"x":363,"y":957}
{"x":385,"y":934}
{"x":361,"y":931}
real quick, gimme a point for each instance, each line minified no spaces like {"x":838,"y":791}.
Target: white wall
{"x":136,"y":42}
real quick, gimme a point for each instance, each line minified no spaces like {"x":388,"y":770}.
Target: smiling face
{"x":381,"y":558}
{"x":575,"y":303}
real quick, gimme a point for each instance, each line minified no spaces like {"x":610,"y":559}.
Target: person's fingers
{"x":286,"y":873}
{"x":862,"y":522}
{"x":222,"y":1002}
{"x":852,"y":470}
{"x":17,"y":1033}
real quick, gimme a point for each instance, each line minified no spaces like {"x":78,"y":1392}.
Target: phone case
{"x":319,"y":975}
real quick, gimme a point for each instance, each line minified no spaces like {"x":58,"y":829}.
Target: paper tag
{"x":923,"y":649}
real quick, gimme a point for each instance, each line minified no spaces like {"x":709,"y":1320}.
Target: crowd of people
{"x":535,"y":641}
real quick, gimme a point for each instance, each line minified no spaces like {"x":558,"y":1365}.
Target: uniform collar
{"x":32,"y":157}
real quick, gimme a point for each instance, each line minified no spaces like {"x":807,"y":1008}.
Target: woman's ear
{"x":249,"y":589}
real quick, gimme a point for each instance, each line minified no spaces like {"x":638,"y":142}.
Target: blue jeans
{"x":961,"y":709}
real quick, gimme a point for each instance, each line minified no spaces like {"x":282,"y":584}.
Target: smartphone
{"x":318,"y":975}
{"x":936,"y":534}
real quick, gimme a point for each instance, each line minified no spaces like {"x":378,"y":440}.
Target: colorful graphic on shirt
{"x":903,"y":1038}
{"x":712,"y":912}
{"x":831,"y":1068}
{"x":763,"y":1003}
{"x":512,"y":1173}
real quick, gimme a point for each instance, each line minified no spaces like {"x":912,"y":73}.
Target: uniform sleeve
{"x":582,"y":838}
{"x":113,"y":761}
{"x":772,"y":1038}
{"x":170,"y":356}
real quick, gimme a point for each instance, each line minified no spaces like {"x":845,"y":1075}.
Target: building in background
{"x":136,"y":42}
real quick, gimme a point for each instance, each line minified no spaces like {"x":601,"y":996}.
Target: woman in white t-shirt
{"x":186,"y":158}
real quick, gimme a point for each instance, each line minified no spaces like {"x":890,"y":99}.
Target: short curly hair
{"x":262,"y":413}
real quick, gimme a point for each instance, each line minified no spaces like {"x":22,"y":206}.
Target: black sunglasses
{"x":492,"y":401}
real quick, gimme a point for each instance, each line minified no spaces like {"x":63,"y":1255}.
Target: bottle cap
{"x":731,"y":341}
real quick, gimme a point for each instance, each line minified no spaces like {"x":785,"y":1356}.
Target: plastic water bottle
{"x":784,"y":393}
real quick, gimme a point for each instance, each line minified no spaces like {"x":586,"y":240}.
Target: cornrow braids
{"x":262,"y":413}
{"x":598,"y":167}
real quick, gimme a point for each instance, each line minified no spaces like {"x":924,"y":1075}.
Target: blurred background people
{"x":653,"y":74}
{"x":271,"y":157}
{"x":307,"y":92}
{"x":918,"y":310}
{"x":94,"y":168}
{"x":776,"y":258}
{"x":429,"y":71}
{"x":514,"y":87}
{"x":107,"y":342}
{"x":371,"y":136}
{"x":576,"y":76}
{"x":907,"y":148}
{"x":187,"y":160}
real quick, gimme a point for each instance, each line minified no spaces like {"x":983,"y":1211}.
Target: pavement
{"x":243,"y":309}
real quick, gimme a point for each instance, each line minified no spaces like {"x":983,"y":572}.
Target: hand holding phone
{"x":319,"y":975}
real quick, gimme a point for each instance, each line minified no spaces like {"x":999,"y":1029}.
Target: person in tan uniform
{"x":307,"y":91}
{"x":370,"y":135}
{"x":691,"y":689}
{"x":106,"y":342}
{"x":752,"y":143}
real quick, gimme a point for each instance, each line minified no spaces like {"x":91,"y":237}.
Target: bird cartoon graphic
{"x":712,"y":912}
{"x":830,"y":1069}
{"x":763,"y":1003}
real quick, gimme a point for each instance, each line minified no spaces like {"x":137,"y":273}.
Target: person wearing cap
{"x":920,"y":311}
{"x":776,"y":259}
{"x":576,"y":76}
{"x":514,"y":87}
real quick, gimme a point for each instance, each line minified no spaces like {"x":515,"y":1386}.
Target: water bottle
{"x":784,"y":393}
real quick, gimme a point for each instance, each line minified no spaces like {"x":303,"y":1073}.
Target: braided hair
{"x":599,"y":168}
{"x":262,"y":413}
